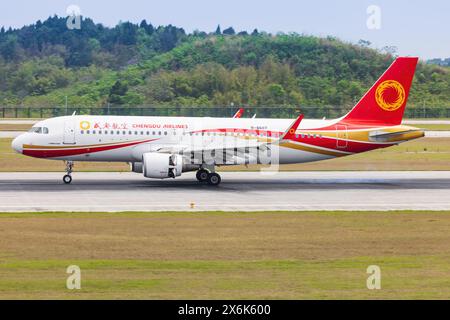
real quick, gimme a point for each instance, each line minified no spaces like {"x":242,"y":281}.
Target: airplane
{"x":239,"y":114}
{"x":166,"y":147}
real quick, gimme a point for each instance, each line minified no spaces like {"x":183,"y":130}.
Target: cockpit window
{"x":39,"y":130}
{"x":36,"y":130}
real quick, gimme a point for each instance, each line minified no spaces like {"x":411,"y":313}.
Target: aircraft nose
{"x":17,"y":145}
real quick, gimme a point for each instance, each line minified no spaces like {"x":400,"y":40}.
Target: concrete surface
{"x":239,"y":191}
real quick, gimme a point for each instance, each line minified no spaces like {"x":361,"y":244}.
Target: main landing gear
{"x":69,"y":169}
{"x":212,"y":178}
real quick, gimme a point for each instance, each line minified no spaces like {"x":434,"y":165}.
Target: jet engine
{"x":162,"y":165}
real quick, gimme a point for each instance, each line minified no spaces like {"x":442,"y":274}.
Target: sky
{"x":416,"y":28}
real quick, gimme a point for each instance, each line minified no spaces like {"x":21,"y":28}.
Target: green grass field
{"x":15,"y":127}
{"x":433,"y":127}
{"x":270,"y":255}
{"x":423,"y":154}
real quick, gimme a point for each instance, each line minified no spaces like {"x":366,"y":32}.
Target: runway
{"x":244,"y":191}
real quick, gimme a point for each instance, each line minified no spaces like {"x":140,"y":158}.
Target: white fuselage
{"x":156,"y":133}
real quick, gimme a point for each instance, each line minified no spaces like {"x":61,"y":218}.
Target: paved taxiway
{"x":247,"y":191}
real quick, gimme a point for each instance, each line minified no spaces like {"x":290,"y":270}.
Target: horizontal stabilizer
{"x":383,"y":136}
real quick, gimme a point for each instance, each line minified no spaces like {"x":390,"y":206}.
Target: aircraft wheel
{"x":67,"y":179}
{"x":202,"y":175}
{"x":214,"y":179}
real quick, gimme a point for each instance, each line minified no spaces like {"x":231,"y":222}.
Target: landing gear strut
{"x":69,"y":169}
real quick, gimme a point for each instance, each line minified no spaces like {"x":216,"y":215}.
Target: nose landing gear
{"x":69,"y":169}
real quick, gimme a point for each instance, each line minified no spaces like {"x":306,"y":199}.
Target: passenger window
{"x":82,"y":131}
{"x":45,"y":130}
{"x":88,"y":132}
{"x":165,"y":133}
{"x":93,"y":132}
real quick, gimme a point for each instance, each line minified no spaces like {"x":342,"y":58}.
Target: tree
{"x":118,"y":90}
{"x":143,"y":24}
{"x":9,"y":48}
{"x":218,"y":31}
{"x":229,"y":31}
{"x":392,"y":50}
{"x":149,"y":29}
{"x":364,"y":43}
{"x":126,"y":33}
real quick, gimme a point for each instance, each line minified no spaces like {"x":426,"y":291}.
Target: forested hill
{"x":142,"y":64}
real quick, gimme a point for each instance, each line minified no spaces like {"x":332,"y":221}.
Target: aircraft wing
{"x":240,"y":149}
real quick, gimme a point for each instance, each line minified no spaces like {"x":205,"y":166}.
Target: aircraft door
{"x":342,"y":136}
{"x":69,"y":131}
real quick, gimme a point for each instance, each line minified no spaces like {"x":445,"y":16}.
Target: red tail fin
{"x":239,"y":113}
{"x":384,"y":103}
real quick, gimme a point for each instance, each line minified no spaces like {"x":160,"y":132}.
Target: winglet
{"x":239,"y":113}
{"x":290,"y":132}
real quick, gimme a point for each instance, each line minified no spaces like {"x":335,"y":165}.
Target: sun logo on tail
{"x":390,"y":95}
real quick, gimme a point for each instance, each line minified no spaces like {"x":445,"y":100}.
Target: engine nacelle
{"x":162,"y":165}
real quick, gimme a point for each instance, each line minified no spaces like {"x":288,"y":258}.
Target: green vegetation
{"x":433,"y":127}
{"x":275,"y":279}
{"x":15,"y":127}
{"x":132,"y":65}
{"x":218,"y":255}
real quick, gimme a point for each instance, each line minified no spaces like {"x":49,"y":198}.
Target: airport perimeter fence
{"x":327,"y":112}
